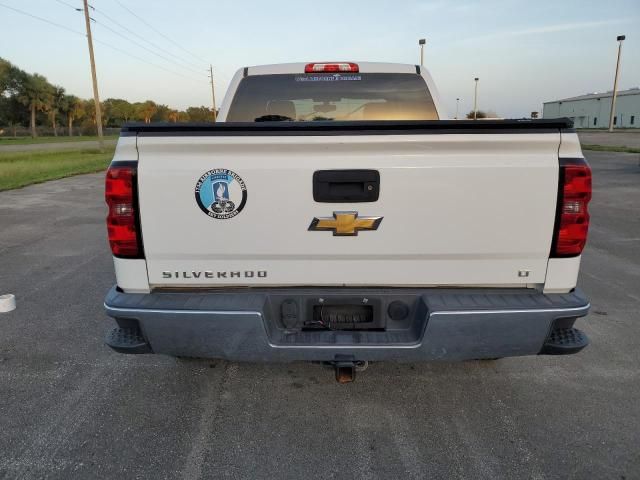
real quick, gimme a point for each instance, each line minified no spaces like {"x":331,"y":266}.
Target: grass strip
{"x":60,"y":139}
{"x":610,"y":148}
{"x":19,"y":169}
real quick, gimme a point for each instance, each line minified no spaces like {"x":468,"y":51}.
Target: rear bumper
{"x":445,"y":324}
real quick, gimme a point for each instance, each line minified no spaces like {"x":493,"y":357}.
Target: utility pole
{"x":475,"y":100}
{"x":457,"y":107}
{"x":612,"y":115}
{"x":96,"y":97}
{"x":422,"y":42}
{"x":213,"y":92}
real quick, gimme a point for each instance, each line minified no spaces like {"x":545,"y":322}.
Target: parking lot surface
{"x":72,"y":408}
{"x":620,"y":138}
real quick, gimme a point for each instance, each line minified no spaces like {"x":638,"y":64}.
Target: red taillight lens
{"x":346,"y":67}
{"x":122,"y":219}
{"x":572,"y":220}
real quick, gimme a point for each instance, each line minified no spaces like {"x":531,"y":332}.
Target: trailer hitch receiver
{"x":345,"y":372}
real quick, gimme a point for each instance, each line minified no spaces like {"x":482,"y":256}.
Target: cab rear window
{"x":326,"y":97}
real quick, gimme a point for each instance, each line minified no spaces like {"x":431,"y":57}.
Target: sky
{"x":524,"y":52}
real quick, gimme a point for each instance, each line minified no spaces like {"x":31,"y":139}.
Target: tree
{"x":55,"y":104}
{"x":11,"y":78}
{"x":5,"y":75}
{"x":35,"y":93}
{"x":172,"y":116}
{"x":12,"y":113}
{"x":162,"y":114}
{"x":120,"y":110}
{"x":73,"y":108}
{"x":89,"y":123}
{"x":146,"y":110}
{"x":479,"y":114}
{"x":106,"y":108}
{"x":48,"y":104}
{"x":483,"y":114}
{"x":199,"y":114}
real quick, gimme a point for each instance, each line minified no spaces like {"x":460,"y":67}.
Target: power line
{"x":180,"y":59}
{"x":58,"y":25}
{"x":69,"y":5}
{"x":145,"y":61}
{"x":147,"y":49}
{"x":159,"y":32}
{"x":123,"y":27}
{"x":181,"y":62}
{"x":42,"y":19}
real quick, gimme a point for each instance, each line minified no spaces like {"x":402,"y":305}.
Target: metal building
{"x":592,"y":110}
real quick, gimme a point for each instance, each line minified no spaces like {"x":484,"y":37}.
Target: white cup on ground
{"x":7,"y":302}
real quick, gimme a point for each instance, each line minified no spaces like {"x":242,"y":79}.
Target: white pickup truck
{"x":333,"y":214}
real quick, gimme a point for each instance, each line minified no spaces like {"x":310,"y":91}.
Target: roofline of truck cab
{"x":298,"y":67}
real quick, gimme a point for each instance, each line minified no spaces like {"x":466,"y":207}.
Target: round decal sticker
{"x":221,"y":193}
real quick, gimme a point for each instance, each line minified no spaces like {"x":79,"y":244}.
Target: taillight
{"x":122,"y":219}
{"x":332,"y":67}
{"x":572,"y":215}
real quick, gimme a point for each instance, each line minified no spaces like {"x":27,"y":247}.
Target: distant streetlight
{"x":457,"y":107}
{"x":475,"y":100}
{"x":422,"y":42}
{"x":612,"y":115}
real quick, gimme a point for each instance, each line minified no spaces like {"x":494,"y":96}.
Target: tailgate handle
{"x":346,"y":186}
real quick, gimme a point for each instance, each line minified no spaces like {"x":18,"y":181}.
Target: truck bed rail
{"x":395,"y":127}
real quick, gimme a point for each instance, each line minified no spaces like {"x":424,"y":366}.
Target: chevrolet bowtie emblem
{"x":345,"y":223}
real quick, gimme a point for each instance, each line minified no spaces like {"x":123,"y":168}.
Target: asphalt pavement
{"x":72,"y":408}
{"x":619,"y":138}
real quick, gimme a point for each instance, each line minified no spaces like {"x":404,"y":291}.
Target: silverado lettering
{"x":212,"y":274}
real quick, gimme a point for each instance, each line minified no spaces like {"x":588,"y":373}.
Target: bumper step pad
{"x":564,"y":341}
{"x":127,"y":340}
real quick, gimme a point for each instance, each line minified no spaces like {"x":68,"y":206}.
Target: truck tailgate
{"x":458,"y":209}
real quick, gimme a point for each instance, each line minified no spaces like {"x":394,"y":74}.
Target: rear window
{"x":325,"y":97}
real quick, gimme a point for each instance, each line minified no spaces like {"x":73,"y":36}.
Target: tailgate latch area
{"x":346,"y":186}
